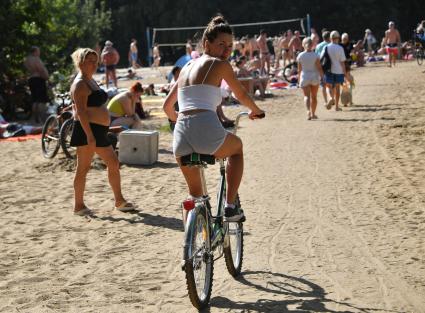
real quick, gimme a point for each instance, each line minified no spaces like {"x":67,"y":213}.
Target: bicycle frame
{"x":215,"y":229}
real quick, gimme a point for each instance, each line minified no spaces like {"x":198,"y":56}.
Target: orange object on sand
{"x":21,"y":138}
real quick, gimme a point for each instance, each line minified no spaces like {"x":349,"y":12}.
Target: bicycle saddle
{"x":194,"y":159}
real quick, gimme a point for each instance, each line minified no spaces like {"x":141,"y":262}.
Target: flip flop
{"x":84,"y":212}
{"x":330,"y":103}
{"x":126,"y":207}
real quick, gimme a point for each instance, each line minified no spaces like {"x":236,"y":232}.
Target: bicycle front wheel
{"x":65,"y":139}
{"x":50,"y":137}
{"x":233,"y":246}
{"x":199,"y":261}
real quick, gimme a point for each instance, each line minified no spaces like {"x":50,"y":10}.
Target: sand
{"x":335,"y":216}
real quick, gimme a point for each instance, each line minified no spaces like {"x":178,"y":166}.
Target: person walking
{"x":309,"y":74}
{"x":326,"y":35}
{"x":198,"y":128}
{"x":264,"y":53}
{"x":370,"y":42}
{"x":335,"y":77}
{"x":134,"y":54}
{"x":110,"y":58}
{"x":392,"y":42}
{"x":90,"y":131}
{"x":38,"y":77}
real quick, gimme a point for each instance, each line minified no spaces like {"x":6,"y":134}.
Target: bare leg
{"x":114,"y":77}
{"x":306,"y":91}
{"x":110,"y":158}
{"x":84,"y":157}
{"x":232,"y":149}
{"x":336,"y":95}
{"x":314,"y":90}
{"x":324,"y":93}
{"x":107,"y":72}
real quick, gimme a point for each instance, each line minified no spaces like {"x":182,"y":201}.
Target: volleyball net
{"x":178,"y":37}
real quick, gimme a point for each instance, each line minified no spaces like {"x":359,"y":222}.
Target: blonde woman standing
{"x":309,"y":74}
{"x":89,"y":135}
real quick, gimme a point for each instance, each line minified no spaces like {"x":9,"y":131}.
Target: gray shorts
{"x":201,"y":133}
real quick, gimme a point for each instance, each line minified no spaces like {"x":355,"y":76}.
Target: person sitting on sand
{"x":122,"y":108}
{"x":8,"y":130}
{"x":245,"y":76}
{"x":90,"y":131}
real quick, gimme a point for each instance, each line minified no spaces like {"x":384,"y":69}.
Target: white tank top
{"x":200,"y":96}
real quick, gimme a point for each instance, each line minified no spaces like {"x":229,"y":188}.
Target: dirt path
{"x":339,"y":224}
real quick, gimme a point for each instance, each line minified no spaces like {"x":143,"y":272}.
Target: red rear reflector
{"x":188,"y":204}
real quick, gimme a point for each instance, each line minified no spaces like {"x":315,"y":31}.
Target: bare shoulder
{"x":80,"y":87}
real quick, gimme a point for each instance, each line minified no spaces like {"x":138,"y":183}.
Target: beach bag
{"x":325,"y":61}
{"x":346,"y":96}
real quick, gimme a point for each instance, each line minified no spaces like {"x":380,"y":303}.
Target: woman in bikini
{"x":89,"y":135}
{"x":197,"y":126}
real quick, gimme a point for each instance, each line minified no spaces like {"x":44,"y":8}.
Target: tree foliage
{"x":60,"y":26}
{"x":56,"y":26}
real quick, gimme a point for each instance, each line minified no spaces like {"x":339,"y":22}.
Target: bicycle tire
{"x":50,"y":137}
{"x":233,"y":246}
{"x":290,"y":71}
{"x":419,"y":56}
{"x":198,"y":258}
{"x":65,"y":139}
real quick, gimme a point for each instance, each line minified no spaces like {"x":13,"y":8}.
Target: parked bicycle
{"x":208,"y":237}
{"x":418,"y":48}
{"x":57,"y":129}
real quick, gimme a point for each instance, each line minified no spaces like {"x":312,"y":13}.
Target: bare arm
{"x":300,"y":68}
{"x":80,"y":93}
{"x":42,"y":70}
{"x":319,"y":68}
{"x":169,"y":102}
{"x":237,"y":88}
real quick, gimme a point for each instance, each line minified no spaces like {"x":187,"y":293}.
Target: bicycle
{"x":206,"y":233}
{"x":418,"y":46}
{"x":54,"y":134}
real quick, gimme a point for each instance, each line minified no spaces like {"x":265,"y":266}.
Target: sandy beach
{"x":335,"y":215}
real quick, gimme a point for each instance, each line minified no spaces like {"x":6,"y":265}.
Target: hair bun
{"x":219,"y":19}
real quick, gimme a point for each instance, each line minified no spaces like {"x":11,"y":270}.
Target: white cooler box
{"x":138,"y":147}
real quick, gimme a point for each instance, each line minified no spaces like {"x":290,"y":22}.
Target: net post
{"x":308,"y":25}
{"x":149,"y":44}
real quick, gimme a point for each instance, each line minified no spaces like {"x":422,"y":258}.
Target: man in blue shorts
{"x":337,"y":74}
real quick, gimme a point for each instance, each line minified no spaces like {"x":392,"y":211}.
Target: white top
{"x":308,"y":64}
{"x":337,"y":55}
{"x":200,"y":96}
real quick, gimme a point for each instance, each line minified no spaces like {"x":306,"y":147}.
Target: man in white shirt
{"x":337,"y":74}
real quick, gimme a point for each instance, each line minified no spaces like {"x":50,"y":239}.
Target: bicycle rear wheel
{"x":199,"y":262}
{"x":65,"y":139}
{"x":233,"y":245}
{"x":50,"y":137}
{"x":419,"y":56}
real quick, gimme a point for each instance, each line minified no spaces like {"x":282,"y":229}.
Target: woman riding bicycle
{"x":197,"y":126}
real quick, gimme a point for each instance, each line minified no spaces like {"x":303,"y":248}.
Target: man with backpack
{"x":335,"y":74}
{"x":319,"y":49}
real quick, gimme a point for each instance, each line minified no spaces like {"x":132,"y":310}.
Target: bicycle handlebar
{"x":238,"y":117}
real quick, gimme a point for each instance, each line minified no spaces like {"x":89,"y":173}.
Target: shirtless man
{"x":253,"y":47}
{"x":264,"y":52}
{"x":38,"y":77}
{"x":287,"y":55}
{"x":314,"y":37}
{"x":134,"y":53}
{"x":392,"y":42}
{"x":295,"y":45}
{"x":277,"y":43}
{"x":156,"y":56}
